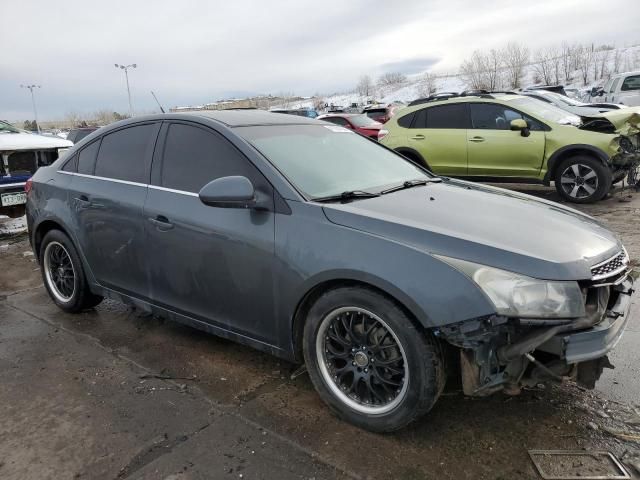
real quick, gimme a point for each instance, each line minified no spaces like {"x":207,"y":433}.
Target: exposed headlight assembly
{"x":515,"y":295}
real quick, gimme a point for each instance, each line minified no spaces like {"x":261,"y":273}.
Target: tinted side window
{"x":194,"y":156}
{"x":71,"y":164}
{"x":123,"y":154}
{"x":337,"y":121}
{"x":491,"y":116}
{"x":87,"y":158}
{"x":447,"y":116}
{"x":631,"y":83}
{"x":405,"y":121}
{"x":420,"y":119}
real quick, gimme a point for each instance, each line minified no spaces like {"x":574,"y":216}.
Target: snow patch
{"x":12,"y":226}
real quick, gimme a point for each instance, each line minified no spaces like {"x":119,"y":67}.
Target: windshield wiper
{"x":348,"y":195}
{"x":410,"y":184}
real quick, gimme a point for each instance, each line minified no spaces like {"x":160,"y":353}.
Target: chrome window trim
{"x":126,"y":182}
{"x":116,"y":180}
{"x":173,"y":190}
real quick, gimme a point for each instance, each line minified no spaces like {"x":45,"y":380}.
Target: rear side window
{"x":194,"y":156}
{"x":123,"y":154}
{"x":405,"y":121}
{"x":87,"y":158}
{"x":447,"y":116}
{"x":337,"y":121}
{"x":631,"y":83}
{"x":614,"y":85}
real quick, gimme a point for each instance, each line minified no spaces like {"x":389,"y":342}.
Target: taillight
{"x":28,"y":186}
{"x":382,"y":133}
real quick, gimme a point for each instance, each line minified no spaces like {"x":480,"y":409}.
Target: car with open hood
{"x":21,"y":154}
{"x":310,"y":242}
{"x":505,"y":137}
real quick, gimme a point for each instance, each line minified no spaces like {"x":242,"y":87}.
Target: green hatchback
{"x":512,"y":138}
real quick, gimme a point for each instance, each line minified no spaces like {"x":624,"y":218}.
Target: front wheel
{"x":368,"y":361}
{"x":582,"y":179}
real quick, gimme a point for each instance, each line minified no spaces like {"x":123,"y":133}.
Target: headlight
{"x":625,"y":144}
{"x":515,"y":295}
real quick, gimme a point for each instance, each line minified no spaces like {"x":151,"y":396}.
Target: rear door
{"x":496,"y":150}
{"x":439,"y":134}
{"x":213,"y":264}
{"x":107,"y":192}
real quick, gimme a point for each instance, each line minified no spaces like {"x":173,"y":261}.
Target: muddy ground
{"x":112,"y":393}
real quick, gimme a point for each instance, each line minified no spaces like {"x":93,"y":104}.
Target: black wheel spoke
{"x":59,"y":271}
{"x":363,"y":358}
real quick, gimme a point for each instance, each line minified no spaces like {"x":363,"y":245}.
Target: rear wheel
{"x":63,"y":275}
{"x":582,"y":179}
{"x":368,"y":362}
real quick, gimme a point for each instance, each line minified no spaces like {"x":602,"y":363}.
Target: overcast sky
{"x":193,"y":52}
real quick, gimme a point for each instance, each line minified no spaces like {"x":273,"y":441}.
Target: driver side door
{"x":494,"y":150}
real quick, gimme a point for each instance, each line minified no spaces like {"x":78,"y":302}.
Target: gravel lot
{"x":113,"y":393}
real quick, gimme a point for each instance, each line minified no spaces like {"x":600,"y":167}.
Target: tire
{"x":582,"y":179}
{"x":63,"y":275}
{"x":385,"y":398}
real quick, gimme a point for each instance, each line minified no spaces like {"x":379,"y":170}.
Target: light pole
{"x":33,"y":101}
{"x":126,"y":75}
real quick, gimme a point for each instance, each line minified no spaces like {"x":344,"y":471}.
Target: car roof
{"x":493,"y":97}
{"x":241,"y":118}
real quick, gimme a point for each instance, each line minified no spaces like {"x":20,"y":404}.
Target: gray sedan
{"x":308,"y":241}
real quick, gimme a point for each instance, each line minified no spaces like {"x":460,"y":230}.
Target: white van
{"x":622,"y":88}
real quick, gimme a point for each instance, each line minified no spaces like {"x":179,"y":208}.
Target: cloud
{"x":196,"y":51}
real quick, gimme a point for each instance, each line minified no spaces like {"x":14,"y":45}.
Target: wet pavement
{"x":80,"y":400}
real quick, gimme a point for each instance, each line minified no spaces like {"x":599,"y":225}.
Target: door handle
{"x":418,"y":137}
{"x":162,"y":223}
{"x":476,"y":139}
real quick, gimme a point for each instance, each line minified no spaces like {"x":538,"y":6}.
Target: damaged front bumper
{"x":498,"y":353}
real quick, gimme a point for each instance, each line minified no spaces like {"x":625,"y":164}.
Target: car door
{"x":439,"y":135}
{"x":496,"y":150}
{"x":612,"y":94}
{"x":212,"y":264}
{"x":107,"y":193}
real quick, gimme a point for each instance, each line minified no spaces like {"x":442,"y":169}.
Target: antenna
{"x":156,"y":99}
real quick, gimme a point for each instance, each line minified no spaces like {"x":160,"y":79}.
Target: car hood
{"x":30,"y":141}
{"x":486,"y":225}
{"x":625,"y":121}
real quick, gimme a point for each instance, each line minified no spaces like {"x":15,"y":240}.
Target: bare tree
{"x":603,"y":61}
{"x":391,"y":79}
{"x":584,"y":58}
{"x":103,"y":117}
{"x":365,"y":86}
{"x":566,"y":57}
{"x":73,"y":119}
{"x":427,"y":85}
{"x":543,"y":66}
{"x":515,"y":58}
{"x":617,"y":61}
{"x":483,"y":70}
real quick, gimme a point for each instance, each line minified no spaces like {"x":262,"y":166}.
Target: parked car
{"x":77,"y":134}
{"x":381,"y":113}
{"x":513,"y":138}
{"x":317,"y":245}
{"x":622,"y":88}
{"x":569,"y":104}
{"x":358,"y":122}
{"x":21,"y":153}
{"x":301,"y":112}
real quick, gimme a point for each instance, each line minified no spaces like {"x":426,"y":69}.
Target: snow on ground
{"x":12,"y":226}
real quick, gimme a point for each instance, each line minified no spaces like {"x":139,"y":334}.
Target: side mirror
{"x":521,"y":125}
{"x":229,"y":192}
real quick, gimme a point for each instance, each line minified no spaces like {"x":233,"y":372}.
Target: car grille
{"x":610,"y":267}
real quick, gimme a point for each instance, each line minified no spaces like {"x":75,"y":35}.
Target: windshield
{"x":363,"y":121}
{"x":327,"y":160}
{"x":545,"y":111}
{"x":7,"y":128}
